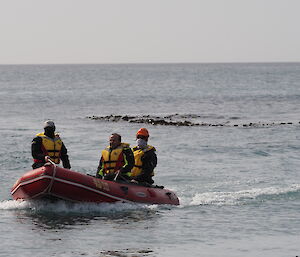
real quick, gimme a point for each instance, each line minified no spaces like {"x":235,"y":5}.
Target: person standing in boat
{"x":116,"y":160}
{"x":49,"y":145}
{"x":145,"y":159}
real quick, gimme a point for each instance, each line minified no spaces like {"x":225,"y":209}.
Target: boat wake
{"x":67,"y":208}
{"x":246,"y":196}
{"x":13,"y":205}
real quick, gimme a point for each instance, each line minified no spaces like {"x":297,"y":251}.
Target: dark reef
{"x":180,"y":120}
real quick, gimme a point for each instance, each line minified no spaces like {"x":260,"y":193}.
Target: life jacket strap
{"x":109,"y":161}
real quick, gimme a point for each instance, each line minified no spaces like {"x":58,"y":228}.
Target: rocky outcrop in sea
{"x":179,"y":120}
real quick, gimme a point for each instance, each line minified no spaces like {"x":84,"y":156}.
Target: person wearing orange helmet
{"x":145,"y":159}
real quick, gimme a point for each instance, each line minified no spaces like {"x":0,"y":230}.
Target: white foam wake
{"x":13,"y":205}
{"x":67,"y":207}
{"x":233,"y":198}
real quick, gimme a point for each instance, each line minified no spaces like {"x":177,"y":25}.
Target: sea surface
{"x":237,"y":175}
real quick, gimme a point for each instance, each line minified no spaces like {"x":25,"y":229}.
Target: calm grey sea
{"x":239,"y":185}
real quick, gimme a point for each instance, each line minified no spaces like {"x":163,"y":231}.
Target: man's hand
{"x":47,"y":158}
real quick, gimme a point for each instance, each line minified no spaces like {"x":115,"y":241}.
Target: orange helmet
{"x":143,"y":132}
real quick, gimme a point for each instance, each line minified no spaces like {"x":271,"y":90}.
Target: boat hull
{"x":51,"y":181}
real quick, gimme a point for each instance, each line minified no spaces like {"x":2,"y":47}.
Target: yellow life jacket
{"x":113,"y":160}
{"x":138,"y":163}
{"x":51,"y":146}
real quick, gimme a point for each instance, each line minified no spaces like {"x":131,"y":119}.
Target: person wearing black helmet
{"x":49,"y":145}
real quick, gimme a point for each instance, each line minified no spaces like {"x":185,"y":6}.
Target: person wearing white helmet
{"x":49,"y":145}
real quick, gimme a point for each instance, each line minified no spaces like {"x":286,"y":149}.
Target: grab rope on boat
{"x":53,"y":176}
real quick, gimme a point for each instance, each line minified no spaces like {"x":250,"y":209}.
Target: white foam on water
{"x":233,"y":198}
{"x":13,"y":205}
{"x":68,"y":207}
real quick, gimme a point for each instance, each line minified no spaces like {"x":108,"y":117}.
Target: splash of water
{"x":243,"y":196}
{"x":63,"y":207}
{"x":13,"y":205}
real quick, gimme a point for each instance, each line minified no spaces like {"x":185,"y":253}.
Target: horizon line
{"x":150,"y":63}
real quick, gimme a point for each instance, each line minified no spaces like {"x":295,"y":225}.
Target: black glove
{"x":98,"y":175}
{"x":109,"y":176}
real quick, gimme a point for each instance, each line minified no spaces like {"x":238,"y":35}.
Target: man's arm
{"x":129,"y":160}
{"x":64,"y":157}
{"x":99,"y":173}
{"x":36,"y":149}
{"x":149,"y":163}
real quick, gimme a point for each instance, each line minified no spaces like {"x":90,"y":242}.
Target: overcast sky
{"x":147,"y":31}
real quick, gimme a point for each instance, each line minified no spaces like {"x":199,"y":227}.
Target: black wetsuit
{"x":125,"y":169}
{"x":38,"y":154}
{"x":149,"y":160}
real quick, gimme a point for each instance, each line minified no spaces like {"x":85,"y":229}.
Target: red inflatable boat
{"x":51,"y":181}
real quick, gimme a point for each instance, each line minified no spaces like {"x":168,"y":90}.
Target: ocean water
{"x":238,"y":184}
